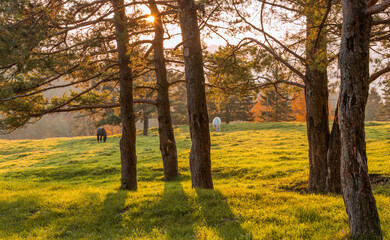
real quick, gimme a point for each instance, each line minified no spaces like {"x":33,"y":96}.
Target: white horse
{"x":217,"y":124}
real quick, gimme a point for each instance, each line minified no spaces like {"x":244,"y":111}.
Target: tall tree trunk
{"x":127,"y":142}
{"x":317,"y":123}
{"x":200,"y":162}
{"x":165,"y":129}
{"x":354,"y":64}
{"x":333,"y":180}
{"x":145,"y":120}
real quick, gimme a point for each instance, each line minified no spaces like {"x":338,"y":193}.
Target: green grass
{"x":68,"y":188}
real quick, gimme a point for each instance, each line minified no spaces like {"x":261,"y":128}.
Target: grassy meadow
{"x":68,"y":188}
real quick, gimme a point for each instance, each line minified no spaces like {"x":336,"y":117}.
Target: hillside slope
{"x":67,"y":188}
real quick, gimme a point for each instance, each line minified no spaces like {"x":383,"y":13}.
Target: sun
{"x":150,"y":19}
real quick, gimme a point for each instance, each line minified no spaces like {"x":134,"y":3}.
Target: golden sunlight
{"x":150,"y":19}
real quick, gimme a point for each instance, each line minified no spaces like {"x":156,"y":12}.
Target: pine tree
{"x":384,"y":109}
{"x":232,"y":83}
{"x":273,"y":106}
{"x":373,"y":105}
{"x":233,"y":108}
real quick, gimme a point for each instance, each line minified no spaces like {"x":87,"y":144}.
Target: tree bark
{"x":165,"y":129}
{"x":145,"y":120}
{"x":333,"y":180}
{"x":316,"y":97}
{"x":200,"y":162}
{"x":354,"y":64}
{"x":317,"y":123}
{"x":128,"y":139}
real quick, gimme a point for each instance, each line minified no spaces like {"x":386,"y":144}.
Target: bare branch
{"x":291,"y":83}
{"x":380,"y":38}
{"x":279,"y":6}
{"x":381,"y":21}
{"x":376,"y":75}
{"x":204,"y":21}
{"x":270,"y":36}
{"x":8,"y":66}
{"x":378,"y":8}
{"x":176,"y":82}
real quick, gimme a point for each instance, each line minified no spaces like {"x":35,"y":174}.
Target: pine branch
{"x":101,"y":106}
{"x":270,"y":36}
{"x":107,"y":78}
{"x":40,"y":17}
{"x":276,"y":56}
{"x":328,"y":7}
{"x":57,"y":86}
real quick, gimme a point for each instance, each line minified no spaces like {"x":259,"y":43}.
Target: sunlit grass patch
{"x":68,"y":188}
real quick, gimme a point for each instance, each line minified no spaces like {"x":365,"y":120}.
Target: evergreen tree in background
{"x":384,"y":110}
{"x":278,"y":110}
{"x":373,"y":105}
{"x":232,"y":84}
{"x":178,"y":98}
{"x":233,"y":109}
{"x":109,"y":118}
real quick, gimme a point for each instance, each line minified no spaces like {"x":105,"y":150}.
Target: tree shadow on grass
{"x":27,"y":216}
{"x":21,"y":215}
{"x":63,"y":174}
{"x":91,"y":224}
{"x":108,"y":224}
{"x":173,"y":214}
{"x":219,"y":216}
{"x":109,"y":221}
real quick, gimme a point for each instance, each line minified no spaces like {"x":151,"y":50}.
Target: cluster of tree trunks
{"x":323,"y":155}
{"x":324,"y":148}
{"x":200,"y":163}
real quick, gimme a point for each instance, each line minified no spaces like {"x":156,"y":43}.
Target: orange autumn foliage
{"x":298,"y":106}
{"x":112,"y":130}
{"x":257,"y":110}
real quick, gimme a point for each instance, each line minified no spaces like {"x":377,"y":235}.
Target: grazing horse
{"x":217,"y":124}
{"x":101,"y":134}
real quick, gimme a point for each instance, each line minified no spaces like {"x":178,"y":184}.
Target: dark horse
{"x":101,"y":134}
